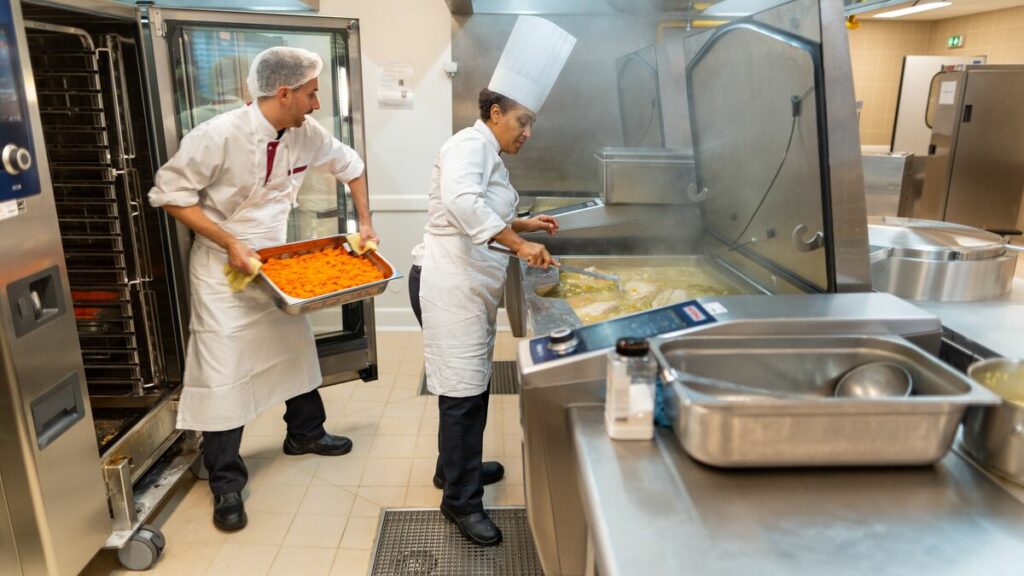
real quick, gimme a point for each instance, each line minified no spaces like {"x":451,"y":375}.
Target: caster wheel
{"x":142,"y":550}
{"x":199,"y":469}
{"x":155,"y":536}
{"x":138,"y":553}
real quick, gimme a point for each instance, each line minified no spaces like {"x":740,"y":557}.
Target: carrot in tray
{"x":94,"y":296}
{"x":321,"y":272}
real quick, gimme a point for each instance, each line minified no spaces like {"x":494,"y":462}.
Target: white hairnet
{"x":282,"y":66}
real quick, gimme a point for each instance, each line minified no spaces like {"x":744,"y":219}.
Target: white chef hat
{"x":534,"y":56}
{"x":282,"y":66}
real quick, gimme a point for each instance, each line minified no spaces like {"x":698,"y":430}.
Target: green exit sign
{"x":955,"y":41}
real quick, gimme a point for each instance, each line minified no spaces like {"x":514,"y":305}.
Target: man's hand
{"x":535,"y":254}
{"x":367,"y":232}
{"x":238,"y":257}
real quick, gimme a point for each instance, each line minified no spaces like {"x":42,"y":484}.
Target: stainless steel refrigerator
{"x":975,"y":173}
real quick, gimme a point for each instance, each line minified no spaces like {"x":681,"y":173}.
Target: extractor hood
{"x":553,"y":7}
{"x":707,"y":8}
{"x":242,"y":5}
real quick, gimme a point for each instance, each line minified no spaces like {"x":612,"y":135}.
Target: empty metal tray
{"x":297,"y":306}
{"x":736,"y":431}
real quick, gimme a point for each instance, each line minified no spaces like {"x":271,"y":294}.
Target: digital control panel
{"x":571,"y":208}
{"x":571,"y":342}
{"x":18,"y":174}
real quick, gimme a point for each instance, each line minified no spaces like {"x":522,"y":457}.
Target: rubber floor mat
{"x":424,"y":543}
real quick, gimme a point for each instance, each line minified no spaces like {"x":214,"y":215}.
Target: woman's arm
{"x":535,"y":254}
{"x":540,"y":222}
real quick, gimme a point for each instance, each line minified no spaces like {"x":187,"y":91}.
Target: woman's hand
{"x":538,"y":223}
{"x":239,"y":255}
{"x":535,"y":255}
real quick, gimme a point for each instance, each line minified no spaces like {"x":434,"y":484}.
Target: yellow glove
{"x":358,"y":246}
{"x":237,"y":279}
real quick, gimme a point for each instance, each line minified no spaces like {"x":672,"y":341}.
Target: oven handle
{"x":136,"y":225}
{"x":115,"y":97}
{"x":147,"y":309}
{"x":186,"y":69}
{"x":121,"y":104}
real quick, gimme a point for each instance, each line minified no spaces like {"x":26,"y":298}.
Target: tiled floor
{"x":316,"y":516}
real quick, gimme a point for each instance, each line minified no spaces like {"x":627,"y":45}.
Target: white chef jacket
{"x":220,"y":161}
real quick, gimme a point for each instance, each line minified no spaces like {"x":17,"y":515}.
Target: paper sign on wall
{"x":394,"y":86}
{"x":947,"y":92}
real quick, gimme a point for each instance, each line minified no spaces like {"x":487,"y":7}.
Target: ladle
{"x":875,"y":380}
{"x":871,"y":380}
{"x":566,"y":268}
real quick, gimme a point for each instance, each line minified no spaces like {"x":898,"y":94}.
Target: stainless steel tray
{"x":297,"y":306}
{"x":740,"y":431}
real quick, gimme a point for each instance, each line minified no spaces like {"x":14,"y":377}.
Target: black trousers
{"x":305,"y":417}
{"x":460,"y":436}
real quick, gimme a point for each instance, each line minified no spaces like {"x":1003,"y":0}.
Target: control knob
{"x":562,"y":341}
{"x":16,"y":159}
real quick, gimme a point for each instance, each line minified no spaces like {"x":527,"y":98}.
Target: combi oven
{"x":94,"y":96}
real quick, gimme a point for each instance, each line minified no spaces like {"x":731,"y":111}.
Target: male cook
{"x":233,"y":181}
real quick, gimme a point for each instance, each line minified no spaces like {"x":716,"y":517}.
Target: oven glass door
{"x":200,"y":62}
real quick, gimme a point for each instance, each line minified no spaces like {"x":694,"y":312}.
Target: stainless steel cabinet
{"x":975,"y":173}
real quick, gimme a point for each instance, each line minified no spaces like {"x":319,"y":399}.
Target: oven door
{"x":199,"y":61}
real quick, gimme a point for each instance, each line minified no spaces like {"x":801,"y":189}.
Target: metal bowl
{"x":994,"y":435}
{"x":875,"y":380}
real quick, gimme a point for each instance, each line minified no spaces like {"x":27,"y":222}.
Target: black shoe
{"x":492,"y":472}
{"x":329,"y":445}
{"x":476,"y":527}
{"x":229,"y":511}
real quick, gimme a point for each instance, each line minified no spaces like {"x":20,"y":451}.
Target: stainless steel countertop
{"x":653,"y":510}
{"x":997,"y":325}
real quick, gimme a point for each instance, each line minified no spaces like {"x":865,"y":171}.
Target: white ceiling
{"x":959,"y":8}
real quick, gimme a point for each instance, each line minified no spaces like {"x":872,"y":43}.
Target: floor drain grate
{"x":424,"y":543}
{"x":504,"y":378}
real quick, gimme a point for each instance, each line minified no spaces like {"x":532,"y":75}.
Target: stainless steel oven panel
{"x":54,"y":495}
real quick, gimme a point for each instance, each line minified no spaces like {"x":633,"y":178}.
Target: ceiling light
{"x":740,"y":8}
{"x":912,"y":10}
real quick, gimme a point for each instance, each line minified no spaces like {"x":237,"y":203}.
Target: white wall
{"x":401,"y":144}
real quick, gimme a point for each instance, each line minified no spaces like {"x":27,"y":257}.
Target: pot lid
{"x":933,"y":240}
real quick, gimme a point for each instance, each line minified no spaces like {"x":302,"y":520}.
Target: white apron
{"x":244,"y":355}
{"x":461,"y":283}
{"x":460,"y":288}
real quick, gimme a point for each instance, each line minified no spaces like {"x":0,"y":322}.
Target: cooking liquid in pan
{"x":1005,"y":384}
{"x":643,"y":288}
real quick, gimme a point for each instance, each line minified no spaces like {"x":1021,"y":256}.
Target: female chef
{"x":457,"y":282}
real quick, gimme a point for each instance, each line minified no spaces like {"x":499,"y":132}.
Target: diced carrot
{"x":321,"y":272}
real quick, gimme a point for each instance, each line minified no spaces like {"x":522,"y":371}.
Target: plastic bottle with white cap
{"x":629,"y":392}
